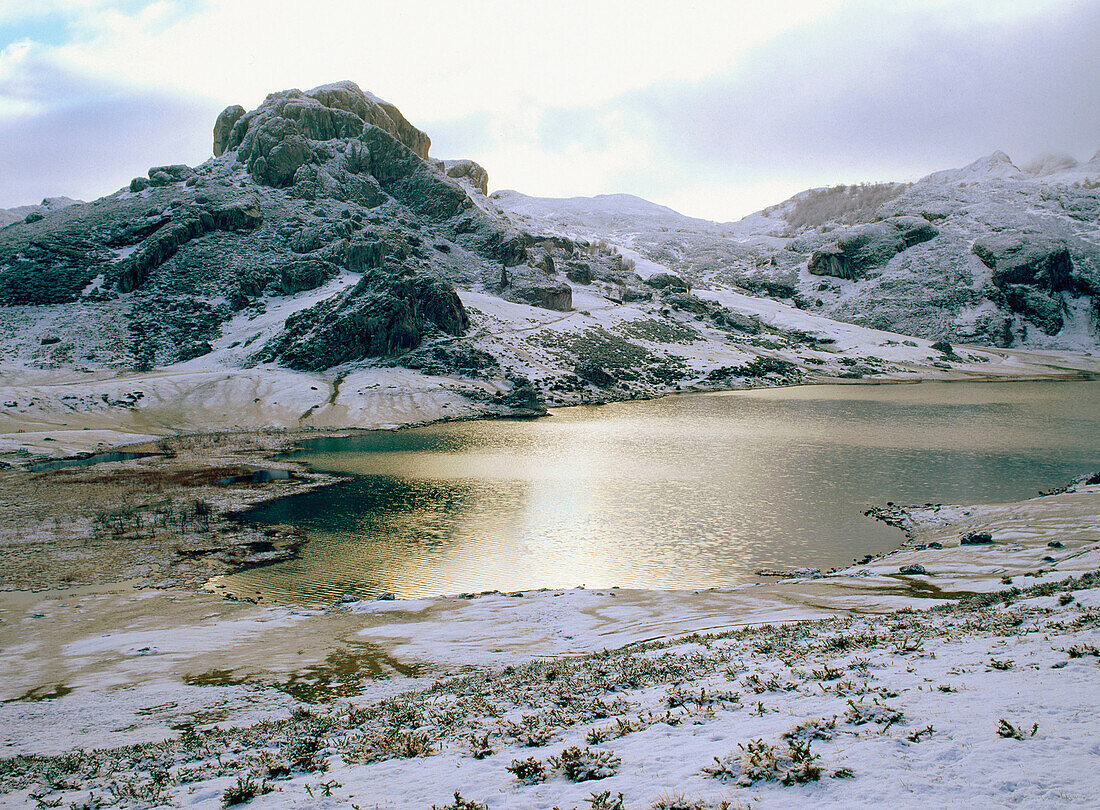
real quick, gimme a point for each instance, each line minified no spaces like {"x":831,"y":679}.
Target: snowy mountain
{"x":986,"y":254}
{"x":323,"y":270}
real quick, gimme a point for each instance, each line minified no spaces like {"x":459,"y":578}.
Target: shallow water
{"x":688,"y":491}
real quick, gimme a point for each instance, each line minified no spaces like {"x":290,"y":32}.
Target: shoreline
{"x":105,"y":666}
{"x":241,"y":452}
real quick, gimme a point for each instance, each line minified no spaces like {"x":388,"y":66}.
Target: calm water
{"x":682,"y":492}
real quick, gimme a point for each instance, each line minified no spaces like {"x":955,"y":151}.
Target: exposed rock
{"x":164,"y":175}
{"x":468,"y":170}
{"x":914,"y":230}
{"x":277,"y":138}
{"x":976,"y":539}
{"x":578,"y":272}
{"x":912,"y":570}
{"x":831,"y":261}
{"x":667,"y":281}
{"x":305,"y":274}
{"x":365,"y":254}
{"x":1018,"y":258}
{"x":223,"y":127}
{"x":383,"y":315}
{"x":163,"y":243}
{"x":548,"y":296}
{"x":544,"y":261}
{"x":1037,"y":307}
{"x":863,"y":248}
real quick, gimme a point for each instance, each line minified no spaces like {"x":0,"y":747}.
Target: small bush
{"x":529,"y":771}
{"x":761,"y":762}
{"x":1010,"y":732}
{"x":461,"y":804}
{"x":246,"y":789}
{"x":585,"y":764}
{"x":605,"y":801}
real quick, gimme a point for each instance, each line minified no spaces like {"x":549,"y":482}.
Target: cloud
{"x":882,"y":95}
{"x":66,"y":135}
{"x":717,"y":108}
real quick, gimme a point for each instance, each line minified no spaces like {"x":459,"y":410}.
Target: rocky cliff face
{"x":323,"y":205}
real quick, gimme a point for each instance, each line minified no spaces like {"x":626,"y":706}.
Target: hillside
{"x":987,"y":254}
{"x":323,"y":270}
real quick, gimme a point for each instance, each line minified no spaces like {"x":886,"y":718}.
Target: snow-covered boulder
{"x":470,"y":171}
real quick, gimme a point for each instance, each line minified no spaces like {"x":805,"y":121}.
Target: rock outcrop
{"x":384,"y":314}
{"x":863,"y":248}
{"x":1028,"y":259}
{"x":223,"y":127}
{"x":470,"y":171}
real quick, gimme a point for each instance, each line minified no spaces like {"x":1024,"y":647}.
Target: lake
{"x":689,"y":491}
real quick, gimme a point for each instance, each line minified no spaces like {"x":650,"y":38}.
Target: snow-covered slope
{"x":323,"y":271}
{"x":20,"y":213}
{"x":988,"y":254}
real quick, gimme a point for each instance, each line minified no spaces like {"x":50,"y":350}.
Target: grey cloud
{"x":918,"y":98}
{"x":91,"y":138}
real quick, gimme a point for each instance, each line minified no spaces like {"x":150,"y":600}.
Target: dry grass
{"x":159,"y":517}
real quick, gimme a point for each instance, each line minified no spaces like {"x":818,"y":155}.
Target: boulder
{"x":470,"y":171}
{"x":667,"y":281}
{"x":558,"y":297}
{"x":304,"y":274}
{"x":830,"y":261}
{"x":578,"y":272}
{"x":914,"y":230}
{"x":1017,"y":258}
{"x":165,"y":175}
{"x":223,"y":127}
{"x":976,"y":539}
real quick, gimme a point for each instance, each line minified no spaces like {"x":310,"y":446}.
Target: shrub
{"x":584,"y":764}
{"x":529,"y":771}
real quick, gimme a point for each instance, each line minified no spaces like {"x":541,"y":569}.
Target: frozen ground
{"x":972,"y":684}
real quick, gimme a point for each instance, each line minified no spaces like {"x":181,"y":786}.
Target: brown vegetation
{"x":161,"y":517}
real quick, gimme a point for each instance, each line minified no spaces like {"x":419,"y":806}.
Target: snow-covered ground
{"x":905,"y":690}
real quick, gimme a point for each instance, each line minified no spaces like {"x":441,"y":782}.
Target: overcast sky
{"x":714,"y":108}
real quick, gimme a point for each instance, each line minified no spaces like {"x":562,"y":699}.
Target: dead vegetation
{"x":162,"y":517}
{"x":550,"y":702}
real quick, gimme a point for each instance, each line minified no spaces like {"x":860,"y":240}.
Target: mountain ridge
{"x":324,"y":270}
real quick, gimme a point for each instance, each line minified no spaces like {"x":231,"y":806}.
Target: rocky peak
{"x":997,"y":166}
{"x":275,"y":139}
